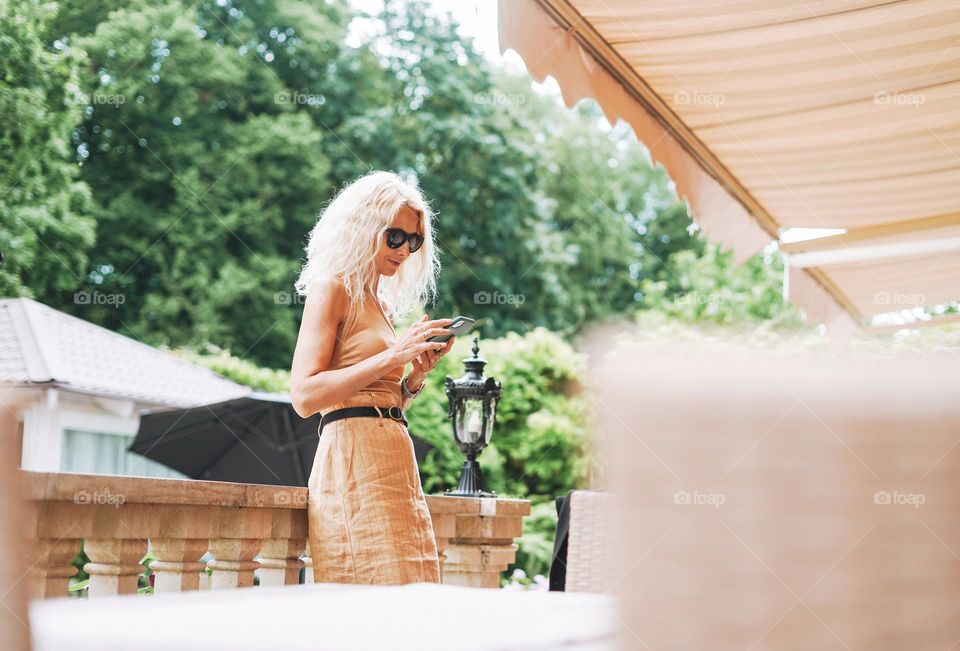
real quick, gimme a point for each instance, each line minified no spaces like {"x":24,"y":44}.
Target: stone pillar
{"x":114,"y":565}
{"x":476,"y":537}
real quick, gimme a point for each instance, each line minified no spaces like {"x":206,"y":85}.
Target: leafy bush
{"x":239,"y":370}
{"x":539,"y":445}
{"x":709,"y":288}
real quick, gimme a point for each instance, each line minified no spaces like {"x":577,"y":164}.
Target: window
{"x":100,"y":453}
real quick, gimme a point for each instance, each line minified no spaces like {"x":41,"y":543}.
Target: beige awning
{"x":775,"y":114}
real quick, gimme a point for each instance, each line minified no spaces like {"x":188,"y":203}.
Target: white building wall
{"x":55,"y":411}
{"x":42,"y":433}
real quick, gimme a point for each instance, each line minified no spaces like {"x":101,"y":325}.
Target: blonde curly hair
{"x":347,"y":236}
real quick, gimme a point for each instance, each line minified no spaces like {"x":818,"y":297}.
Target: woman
{"x":368,"y":518}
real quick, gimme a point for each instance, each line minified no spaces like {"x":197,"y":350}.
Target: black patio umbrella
{"x":255,"y":439}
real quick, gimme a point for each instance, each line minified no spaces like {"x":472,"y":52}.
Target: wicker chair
{"x":584,"y":555}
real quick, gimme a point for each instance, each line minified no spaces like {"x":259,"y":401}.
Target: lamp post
{"x":473,"y":405}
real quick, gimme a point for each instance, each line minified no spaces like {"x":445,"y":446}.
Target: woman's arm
{"x":422,"y":366}
{"x":404,"y":399}
{"x":312,"y":387}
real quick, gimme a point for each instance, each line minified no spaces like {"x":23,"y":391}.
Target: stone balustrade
{"x":246,"y":528}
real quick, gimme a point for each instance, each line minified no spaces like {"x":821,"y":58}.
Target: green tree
{"x":205,"y":182}
{"x":46,"y":228}
{"x":614,"y":217}
{"x":710,"y":288}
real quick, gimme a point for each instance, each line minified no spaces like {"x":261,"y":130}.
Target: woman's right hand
{"x":414,"y":341}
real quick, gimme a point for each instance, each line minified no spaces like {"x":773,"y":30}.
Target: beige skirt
{"x":368,"y":517}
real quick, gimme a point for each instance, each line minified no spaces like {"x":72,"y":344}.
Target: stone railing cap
{"x":57,"y":486}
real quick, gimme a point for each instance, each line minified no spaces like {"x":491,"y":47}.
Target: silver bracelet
{"x":407,"y":393}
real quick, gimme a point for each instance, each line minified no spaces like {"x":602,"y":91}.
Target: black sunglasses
{"x":396,"y":237}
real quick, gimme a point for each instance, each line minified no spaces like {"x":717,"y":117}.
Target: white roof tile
{"x":41,"y":344}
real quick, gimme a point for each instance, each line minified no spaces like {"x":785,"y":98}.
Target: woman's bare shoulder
{"x":328,"y":292}
{"x":327,"y":283}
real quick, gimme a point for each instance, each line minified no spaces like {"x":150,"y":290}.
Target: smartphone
{"x":461,"y":325}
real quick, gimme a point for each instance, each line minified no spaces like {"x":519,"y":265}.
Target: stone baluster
{"x":182,"y":538}
{"x":114,"y":566}
{"x":240,"y":533}
{"x":280,"y":557}
{"x":176,"y":565}
{"x":232,"y":562}
{"x":280,"y":561}
{"x":51,"y":569}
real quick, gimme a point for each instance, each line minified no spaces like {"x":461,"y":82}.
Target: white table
{"x":421,"y":616}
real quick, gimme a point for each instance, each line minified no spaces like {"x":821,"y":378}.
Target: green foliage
{"x":78,"y":562}
{"x":598,"y":186}
{"x":143,"y":580}
{"x":653,"y":329}
{"x":242,"y":371}
{"x":942,"y":341}
{"x":46,"y":229}
{"x":540,"y":445}
{"x":77,"y":587}
{"x":711,"y":288}
{"x":200,"y":177}
{"x":535,"y":546}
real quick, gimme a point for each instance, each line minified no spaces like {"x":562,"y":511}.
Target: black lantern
{"x":473,"y":407}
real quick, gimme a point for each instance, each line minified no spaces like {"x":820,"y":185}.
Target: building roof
{"x":41,"y":345}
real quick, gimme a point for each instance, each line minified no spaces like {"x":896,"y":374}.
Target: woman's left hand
{"x":425,"y":363}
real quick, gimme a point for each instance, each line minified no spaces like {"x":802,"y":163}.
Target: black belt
{"x":393,"y":413}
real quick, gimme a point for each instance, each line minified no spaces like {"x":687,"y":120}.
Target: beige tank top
{"x":370,"y":334}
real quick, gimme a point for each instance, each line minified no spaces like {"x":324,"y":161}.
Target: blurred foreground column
{"x":783,"y":502}
{"x":14,"y":550}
